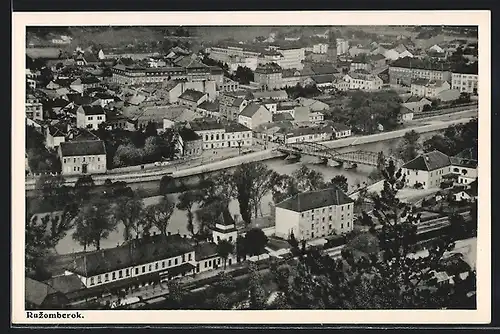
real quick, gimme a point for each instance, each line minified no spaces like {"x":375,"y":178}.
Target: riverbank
{"x":145,"y":176}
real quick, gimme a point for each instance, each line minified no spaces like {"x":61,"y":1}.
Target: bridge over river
{"x":357,"y":157}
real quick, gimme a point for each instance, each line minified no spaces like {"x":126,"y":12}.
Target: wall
{"x":96,"y":164}
{"x":323,"y":221}
{"x":286,"y":222}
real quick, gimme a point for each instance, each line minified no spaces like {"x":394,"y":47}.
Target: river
{"x":178,"y":219}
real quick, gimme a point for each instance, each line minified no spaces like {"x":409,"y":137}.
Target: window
{"x":64,"y":160}
{"x":74,"y":160}
{"x":163,"y":264}
{"x":149,"y":268}
{"x":348,"y":206}
{"x":218,"y":261}
{"x":99,"y":279}
{"x":137,"y":271}
{"x":92,"y":281}
{"x":206,"y":264}
{"x":176,"y":261}
{"x":312,"y":217}
{"x":143,"y":269}
{"x":342,"y":217}
{"x":156,"y":266}
{"x":106,"y":277}
{"x":113,"y":276}
{"x":127,"y":272}
{"x":169,"y":263}
{"x":341,"y":225}
{"x":98,"y":159}
{"x":323,"y":219}
{"x":90,"y":118}
{"x":231,"y":238}
{"x":183,"y":258}
{"x":189,"y":257}
{"x":302,"y":215}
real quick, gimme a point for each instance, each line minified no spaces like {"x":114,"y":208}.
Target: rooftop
{"x":428,"y":161}
{"x":235,"y":127}
{"x":205,"y":250}
{"x":92,"y":110}
{"x":82,"y":147}
{"x":191,"y":95}
{"x":135,"y":252}
{"x":251,"y":109}
{"x":188,"y":134}
{"x":315,"y":199}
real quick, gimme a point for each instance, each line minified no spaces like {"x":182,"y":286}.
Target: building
{"x":341,"y":131}
{"x":269,"y":76}
{"x":464,"y":165}
{"x":436,"y":48}
{"x":315,"y":214}
{"x":191,"y":99}
{"x":189,"y":143}
{"x":465,"y":83}
{"x":231,"y":105}
{"x":363,"y":81}
{"x":153,"y":259}
{"x":404,"y":71}
{"x":308,"y":134}
{"x":277,"y":95}
{"x":130,"y":75}
{"x":216,"y":134}
{"x":82,"y":157}
{"x":316,"y":117}
{"x":293,"y":57}
{"x":228,"y":85}
{"x":55,"y":135}
{"x":448,"y":95}
{"x":426,"y":170}
{"x":417,"y":103}
{"x":360,"y":65}
{"x":405,"y":114}
{"x":172,"y":89}
{"x":320,"y":48}
{"x":377,"y":61}
{"x":33,"y":108}
{"x":428,"y":88}
{"x":342,"y":46}
{"x":254,"y":115}
{"x":209,"y":109}
{"x":90,"y":116}
{"x":40,"y":296}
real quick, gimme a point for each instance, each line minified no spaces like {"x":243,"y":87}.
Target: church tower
{"x":225,"y":228}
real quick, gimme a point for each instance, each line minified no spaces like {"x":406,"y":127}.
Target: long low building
{"x":225,"y":134}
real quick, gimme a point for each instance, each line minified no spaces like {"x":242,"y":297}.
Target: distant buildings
{"x":315,"y":214}
{"x":90,"y":116}
{"x":428,"y":88}
{"x":269,"y":76}
{"x":404,"y":71}
{"x":427,"y":170}
{"x":34,"y":108}
{"x":217,"y":134}
{"x":466,"y":83}
{"x":342,"y":46}
{"x":363,"y":81}
{"x":82,"y":157}
{"x":254,"y":114}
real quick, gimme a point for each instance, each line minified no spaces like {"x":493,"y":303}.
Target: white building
{"x":215,"y":134}
{"x":464,"y":82}
{"x":320,"y":48}
{"x":82,"y":157}
{"x":309,"y":134}
{"x":33,"y":108}
{"x":362,"y":81}
{"x":293,"y":57}
{"x":428,"y":88}
{"x":315,"y":214}
{"x":342,"y":46}
{"x":90,"y":116}
{"x":254,"y":115}
{"x":427,"y":170}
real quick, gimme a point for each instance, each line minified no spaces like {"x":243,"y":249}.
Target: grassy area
{"x":276,"y":244}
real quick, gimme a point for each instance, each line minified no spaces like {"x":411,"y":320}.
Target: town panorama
{"x":225,"y":168}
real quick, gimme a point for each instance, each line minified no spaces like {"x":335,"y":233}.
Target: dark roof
{"x":340,"y":127}
{"x":315,"y":199}
{"x":282,"y":116}
{"x":205,"y":250}
{"x":235,"y":127}
{"x":83,"y":147}
{"x":251,"y":109}
{"x":188,"y":134}
{"x":181,"y":269}
{"x":93,"y":110}
{"x":404,"y":110}
{"x":191,"y":95}
{"x":58,"y":130}
{"x":268,"y":68}
{"x":135,"y":252}
{"x":80,"y":100}
{"x":65,"y":283}
{"x":206,"y":124}
{"x":237,"y":102}
{"x":226,"y":219}
{"x":325,"y":78}
{"x":36,"y":292}
{"x":428,"y":161}
{"x":377,"y":57}
{"x":89,"y":80}
{"x":210,"y":106}
{"x":470,"y":153}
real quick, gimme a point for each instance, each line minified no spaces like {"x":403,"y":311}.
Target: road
{"x":187,"y":168}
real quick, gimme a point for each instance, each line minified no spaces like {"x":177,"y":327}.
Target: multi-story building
{"x":269,"y":76}
{"x":464,"y":82}
{"x":308,"y":134}
{"x":192,"y":99}
{"x":316,"y":117}
{"x":228,"y":85}
{"x":254,"y":115}
{"x":355,"y":66}
{"x":315,"y":214}
{"x":342,"y":46}
{"x":231,"y":104}
{"x":189,"y":143}
{"x":363,"y":81}
{"x":464,"y":166}
{"x":417,"y":103}
{"x":293,"y":57}
{"x":320,"y":48}
{"x":404,"y":71}
{"x":428,"y":88}
{"x":172,"y":89}
{"x":426,"y":170}
{"x":341,"y":131}
{"x":216,"y":134}
{"x":34,"y":108}
{"x":90,"y":116}
{"x":82,"y":157}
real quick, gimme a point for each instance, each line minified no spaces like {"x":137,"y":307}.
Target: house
{"x":428,"y":88}
{"x":82,"y":157}
{"x":377,"y":60}
{"x":427,"y":170}
{"x":313,"y":105}
{"x":40,"y":296}
{"x":316,"y":117}
{"x":228,"y":85}
{"x":55,"y":135}
{"x":308,"y":134}
{"x":231,"y":104}
{"x":269,"y":76}
{"x":209,"y":109}
{"x":33,"y":108}
{"x":360,"y":65}
{"x":363,"y":81}
{"x":212,"y":132}
{"x":464,"y":165}
{"x":254,"y":114}
{"x":282,"y":117}
{"x":417,"y":103}
{"x":139,"y":261}
{"x":355,"y":51}
{"x":341,"y":131}
{"x":116,"y":120}
{"x":405,"y":114}
{"x":323,"y":81}
{"x":278,"y":95}
{"x":90,"y":116}
{"x":189,"y":143}
{"x":436,"y":48}
{"x":465,"y":82}
{"x":192,"y":98}
{"x":462,"y":195}
{"x":315,"y":214}
{"x":448,"y":95}
{"x":238,"y":135}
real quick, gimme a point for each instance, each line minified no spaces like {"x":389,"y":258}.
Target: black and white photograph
{"x":251,"y":167}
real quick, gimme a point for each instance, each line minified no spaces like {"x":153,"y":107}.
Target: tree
{"x":225,"y":283}
{"x":241,"y":252}
{"x":283,"y":186}
{"x":224,"y":249}
{"x":130,"y":212}
{"x":409,"y":146}
{"x":158,"y":215}
{"x":308,"y":179}
{"x":340,"y":181}
{"x":93,"y":224}
{"x":82,"y":187}
{"x":186,"y":201}
{"x":255,"y":241}
{"x":176,"y":294}
{"x":256,"y":291}
{"x":252,"y":182}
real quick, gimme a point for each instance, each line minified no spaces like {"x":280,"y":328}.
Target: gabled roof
{"x":36,"y":292}
{"x":135,"y":252}
{"x":205,"y":250}
{"x":283,"y":116}
{"x":210,"y":106}
{"x":315,"y":199}
{"x":65,"y":283}
{"x":428,"y":161}
{"x":82,"y":147}
{"x":188,"y":134}
{"x":191,"y":95}
{"x":251,"y":109}
{"x":235,"y":127}
{"x":90,"y":110}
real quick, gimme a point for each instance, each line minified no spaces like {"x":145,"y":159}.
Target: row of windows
{"x":211,"y":263}
{"x":141,"y":271}
{"x":323,"y":210}
{"x":91,"y":118}
{"x":221,"y":136}
{"x":83,"y":159}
